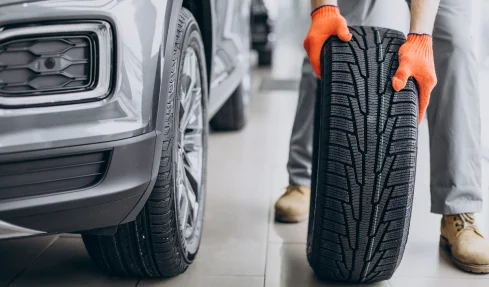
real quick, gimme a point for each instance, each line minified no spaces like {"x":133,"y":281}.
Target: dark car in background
{"x":105,"y":107}
{"x":262,"y":32}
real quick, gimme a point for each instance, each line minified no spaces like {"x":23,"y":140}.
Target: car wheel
{"x":165,"y":237}
{"x":234,"y":114}
{"x":364,"y":150}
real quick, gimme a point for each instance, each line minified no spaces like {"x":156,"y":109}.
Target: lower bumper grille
{"x":51,"y":175}
{"x":45,"y":65}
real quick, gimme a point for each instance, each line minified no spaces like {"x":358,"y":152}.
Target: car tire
{"x":265,"y":58}
{"x":364,"y":151}
{"x":165,"y":237}
{"x":234,"y":114}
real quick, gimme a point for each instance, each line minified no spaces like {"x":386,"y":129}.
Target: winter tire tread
{"x":369,"y":177}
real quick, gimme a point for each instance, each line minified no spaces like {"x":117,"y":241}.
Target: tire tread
{"x":365,"y":147}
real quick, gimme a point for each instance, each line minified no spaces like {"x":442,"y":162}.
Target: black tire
{"x":365,"y":148}
{"x":265,"y":57}
{"x":235,"y":112}
{"x":153,"y":245}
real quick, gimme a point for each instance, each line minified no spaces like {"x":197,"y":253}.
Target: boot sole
{"x":284,"y":218}
{"x":471,"y":268}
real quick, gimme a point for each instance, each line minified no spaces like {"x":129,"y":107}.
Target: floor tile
{"x":69,"y":235}
{"x":236,"y":257}
{"x":206,"y":281}
{"x":425,"y":259}
{"x":288,"y":233}
{"x":280,"y":232}
{"x":438,"y":282}
{"x":66,"y":263}
{"x":18,"y":254}
{"x":287,"y":266}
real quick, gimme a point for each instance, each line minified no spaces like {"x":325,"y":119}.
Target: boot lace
{"x":465,"y":221}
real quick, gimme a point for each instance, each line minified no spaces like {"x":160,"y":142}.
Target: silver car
{"x":105,"y":108}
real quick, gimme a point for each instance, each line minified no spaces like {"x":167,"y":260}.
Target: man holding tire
{"x":453,"y":114}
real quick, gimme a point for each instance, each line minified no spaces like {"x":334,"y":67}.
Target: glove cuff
{"x":420,"y":34}
{"x":325,"y":11}
{"x":422,"y":42}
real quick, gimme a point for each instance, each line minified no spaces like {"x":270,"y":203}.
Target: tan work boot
{"x":469,"y":250}
{"x":293,"y":205}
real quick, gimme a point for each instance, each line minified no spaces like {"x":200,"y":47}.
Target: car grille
{"x":47,"y":65}
{"x":50,"y":175}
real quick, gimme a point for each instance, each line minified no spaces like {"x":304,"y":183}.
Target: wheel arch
{"x":203,"y":12}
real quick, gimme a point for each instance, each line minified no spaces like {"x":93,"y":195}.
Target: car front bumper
{"x":114,"y":200}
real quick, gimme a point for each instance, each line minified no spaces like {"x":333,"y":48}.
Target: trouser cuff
{"x":293,"y":180}
{"x":461,"y":204}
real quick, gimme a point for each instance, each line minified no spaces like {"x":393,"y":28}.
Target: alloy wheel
{"x":190,"y":150}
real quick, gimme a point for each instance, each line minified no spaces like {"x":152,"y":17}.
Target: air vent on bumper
{"x":53,"y":64}
{"x":51,"y":175}
{"x":44,"y":65}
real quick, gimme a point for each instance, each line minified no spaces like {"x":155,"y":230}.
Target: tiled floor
{"x":242,"y":246}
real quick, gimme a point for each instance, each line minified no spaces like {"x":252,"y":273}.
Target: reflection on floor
{"x":242,"y":246}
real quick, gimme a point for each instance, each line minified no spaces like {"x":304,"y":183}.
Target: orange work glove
{"x":416,"y":60}
{"x":326,"y":22}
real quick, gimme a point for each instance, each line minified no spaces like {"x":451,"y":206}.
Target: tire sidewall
{"x":192,"y":38}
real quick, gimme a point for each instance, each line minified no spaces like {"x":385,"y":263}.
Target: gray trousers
{"x":453,"y":114}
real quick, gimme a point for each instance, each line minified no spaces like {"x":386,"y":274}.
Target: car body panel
{"x":128,"y":111}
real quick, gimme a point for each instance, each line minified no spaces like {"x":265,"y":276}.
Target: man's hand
{"x":416,"y":55}
{"x":326,"y":22}
{"x":416,"y":60}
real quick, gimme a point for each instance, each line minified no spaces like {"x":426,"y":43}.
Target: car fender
{"x":163,"y":72}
